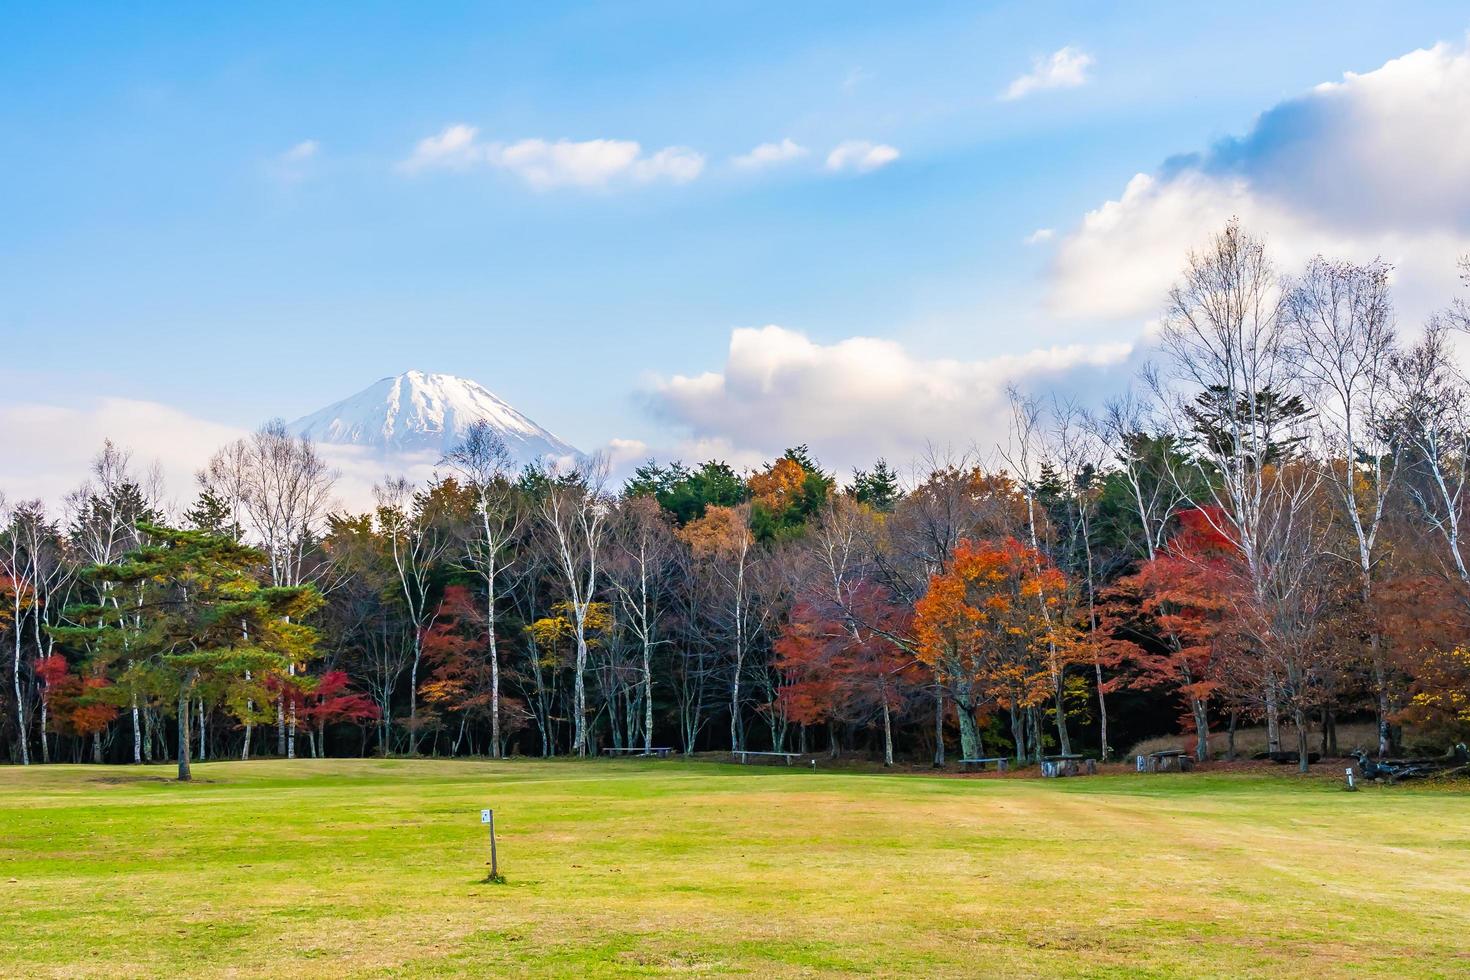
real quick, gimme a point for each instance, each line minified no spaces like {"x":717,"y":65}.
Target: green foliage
{"x":878,"y":487}
{"x":197,"y":613}
{"x":686,"y":493}
{"x":1266,"y":438}
{"x":787,"y":495}
{"x":213,"y":514}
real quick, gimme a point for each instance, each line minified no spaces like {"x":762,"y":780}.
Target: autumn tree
{"x":1170,"y":620}
{"x":984,"y":628}
{"x":724,"y":551}
{"x":204,"y":614}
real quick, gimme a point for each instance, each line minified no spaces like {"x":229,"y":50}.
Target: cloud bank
{"x":1374,"y":165}
{"x":864,"y":397}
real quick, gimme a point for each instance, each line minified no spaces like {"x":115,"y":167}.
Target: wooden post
{"x":487,"y":817}
{"x":494,"y":860}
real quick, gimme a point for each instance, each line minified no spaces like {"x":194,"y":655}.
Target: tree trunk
{"x":887,"y":733}
{"x":97,"y":748}
{"x":495,"y":751}
{"x":1018,"y":733}
{"x":1273,"y":718}
{"x":647,"y":698}
{"x":969,"y":731}
{"x":1300,"y":717}
{"x":1201,"y":730}
{"x":291,"y":723}
{"x":1385,"y":727}
{"x":184,"y":774}
{"x":413,"y":694}
{"x":20,"y":704}
{"x":1059,"y":685}
{"x":579,"y":692}
{"x":137,"y":729}
{"x":147,"y":736}
{"x":281,"y":727}
{"x":939,"y":726}
{"x":1102,"y":711}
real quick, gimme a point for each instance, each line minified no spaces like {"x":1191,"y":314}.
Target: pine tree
{"x":204,"y":617}
{"x":878,"y":487}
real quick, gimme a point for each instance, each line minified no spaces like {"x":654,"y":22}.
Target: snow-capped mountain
{"x":418,"y":413}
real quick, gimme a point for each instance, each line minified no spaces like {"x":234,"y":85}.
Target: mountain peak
{"x":417,"y":412}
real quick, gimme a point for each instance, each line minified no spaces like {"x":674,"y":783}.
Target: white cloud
{"x":455,"y":148}
{"x":46,"y":449}
{"x":770,"y":154}
{"x":1066,"y":68}
{"x":304,"y":150}
{"x":1370,"y":166}
{"x":1040,"y":235}
{"x":860,"y":156}
{"x":564,"y":163}
{"x":678,"y":163}
{"x":864,"y":397}
{"x":853,"y":79}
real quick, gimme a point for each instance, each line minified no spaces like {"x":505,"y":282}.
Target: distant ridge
{"x":415,"y":413}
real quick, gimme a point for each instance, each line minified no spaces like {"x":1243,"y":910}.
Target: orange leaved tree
{"x":985,"y":628}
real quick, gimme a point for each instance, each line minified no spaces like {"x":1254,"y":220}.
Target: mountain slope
{"x":427,"y":413}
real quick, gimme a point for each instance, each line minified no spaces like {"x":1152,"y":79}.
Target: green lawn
{"x":333,"y":868}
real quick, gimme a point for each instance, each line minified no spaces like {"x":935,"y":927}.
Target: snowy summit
{"x":416,"y":412}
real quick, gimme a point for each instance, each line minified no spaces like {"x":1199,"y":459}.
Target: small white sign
{"x":484,"y":816}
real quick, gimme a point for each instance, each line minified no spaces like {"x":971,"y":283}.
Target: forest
{"x":1264,"y":530}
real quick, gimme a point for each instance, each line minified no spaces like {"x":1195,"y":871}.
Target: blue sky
{"x":207,"y":206}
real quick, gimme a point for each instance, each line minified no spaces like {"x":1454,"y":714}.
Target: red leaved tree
{"x":1171,"y":620}
{"x":840,"y":664}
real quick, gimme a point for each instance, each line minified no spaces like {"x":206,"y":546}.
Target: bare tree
{"x":416,"y":543}
{"x":575,"y":509}
{"x":1146,"y":461}
{"x":485,"y":464}
{"x":1239,"y":412}
{"x":724,"y":552}
{"x":1080,"y":456}
{"x":283,"y":489}
{"x":1342,"y":331}
{"x":641,"y":572}
{"x":1432,"y":417}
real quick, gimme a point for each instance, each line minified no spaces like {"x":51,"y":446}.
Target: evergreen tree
{"x":204,"y":617}
{"x":878,"y":487}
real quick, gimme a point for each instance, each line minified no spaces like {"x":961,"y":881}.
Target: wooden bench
{"x":1000,"y":762}
{"x":790,"y":757}
{"x":661,"y":751}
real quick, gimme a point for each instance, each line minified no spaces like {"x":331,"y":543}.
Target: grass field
{"x":344,"y":867}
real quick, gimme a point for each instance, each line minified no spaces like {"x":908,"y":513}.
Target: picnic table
{"x":661,"y":751}
{"x":1166,"y":760}
{"x":1067,"y":764}
{"x":790,"y":757}
{"x":1000,"y":762}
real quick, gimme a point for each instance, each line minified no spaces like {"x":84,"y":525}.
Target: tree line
{"x":1265,"y":529}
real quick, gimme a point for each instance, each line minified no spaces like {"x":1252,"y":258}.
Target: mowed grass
{"x":348,"y":867}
